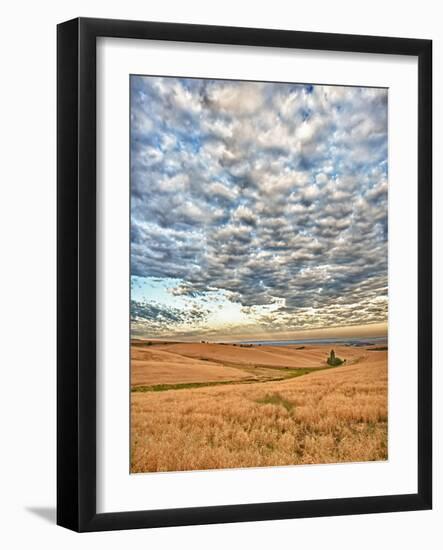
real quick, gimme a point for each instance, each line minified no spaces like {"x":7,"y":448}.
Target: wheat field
{"x":328,"y":416}
{"x":157,"y":365}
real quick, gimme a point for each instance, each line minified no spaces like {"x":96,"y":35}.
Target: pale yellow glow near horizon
{"x":355,"y":331}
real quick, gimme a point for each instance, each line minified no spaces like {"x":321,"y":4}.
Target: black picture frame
{"x":76,"y":281}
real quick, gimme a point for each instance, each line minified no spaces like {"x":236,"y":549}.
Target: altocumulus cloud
{"x":264,"y":201}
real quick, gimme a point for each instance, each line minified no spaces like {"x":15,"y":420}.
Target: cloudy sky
{"x":257,"y":209}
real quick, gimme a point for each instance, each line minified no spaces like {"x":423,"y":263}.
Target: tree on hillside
{"x":333,"y":360}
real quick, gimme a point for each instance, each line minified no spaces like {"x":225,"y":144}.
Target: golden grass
{"x":311,"y":356}
{"x":154,"y":363}
{"x":151,"y":366}
{"x":337,"y":415}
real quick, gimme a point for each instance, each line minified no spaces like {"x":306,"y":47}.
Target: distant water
{"x":343,"y":341}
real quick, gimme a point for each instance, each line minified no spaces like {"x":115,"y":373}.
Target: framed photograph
{"x":244,"y":274}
